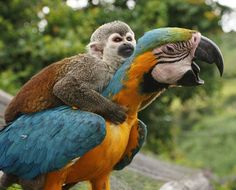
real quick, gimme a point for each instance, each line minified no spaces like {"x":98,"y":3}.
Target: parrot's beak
{"x":206,"y":51}
{"x":209,"y":52}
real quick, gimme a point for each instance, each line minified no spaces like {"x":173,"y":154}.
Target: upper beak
{"x":209,"y":52}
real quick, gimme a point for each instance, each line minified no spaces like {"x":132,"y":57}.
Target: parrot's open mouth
{"x":191,"y":77}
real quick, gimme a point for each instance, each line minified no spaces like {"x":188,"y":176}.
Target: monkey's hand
{"x":115,"y":113}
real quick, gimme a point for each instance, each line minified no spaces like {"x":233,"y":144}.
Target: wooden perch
{"x":175,"y":177}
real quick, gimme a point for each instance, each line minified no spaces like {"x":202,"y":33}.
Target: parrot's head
{"x":162,"y":58}
{"x":167,"y":57}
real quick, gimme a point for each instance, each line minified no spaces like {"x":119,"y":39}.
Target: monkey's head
{"x":112,"y":42}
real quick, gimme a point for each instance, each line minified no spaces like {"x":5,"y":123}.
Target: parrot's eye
{"x":117,"y":39}
{"x":169,"y":49}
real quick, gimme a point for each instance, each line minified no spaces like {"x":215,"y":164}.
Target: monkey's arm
{"x":75,"y":90}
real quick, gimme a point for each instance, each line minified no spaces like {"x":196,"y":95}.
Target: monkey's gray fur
{"x":104,"y":31}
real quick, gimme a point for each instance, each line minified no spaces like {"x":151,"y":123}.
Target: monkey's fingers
{"x":117,"y":116}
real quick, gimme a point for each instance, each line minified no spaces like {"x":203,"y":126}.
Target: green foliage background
{"x":193,"y":126}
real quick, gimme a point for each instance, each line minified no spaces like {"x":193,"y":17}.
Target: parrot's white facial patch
{"x":170,"y":73}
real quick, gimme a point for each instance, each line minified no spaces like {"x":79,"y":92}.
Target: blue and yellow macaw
{"x":67,"y":146}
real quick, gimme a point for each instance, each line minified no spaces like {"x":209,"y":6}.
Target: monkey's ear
{"x":95,"y":49}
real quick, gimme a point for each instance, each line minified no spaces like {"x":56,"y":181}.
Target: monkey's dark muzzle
{"x":208,"y":52}
{"x":126,"y":50}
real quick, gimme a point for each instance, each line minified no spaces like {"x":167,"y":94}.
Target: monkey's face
{"x":121,"y":46}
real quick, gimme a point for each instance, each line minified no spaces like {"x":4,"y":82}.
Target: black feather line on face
{"x":173,"y":60}
{"x":150,"y":85}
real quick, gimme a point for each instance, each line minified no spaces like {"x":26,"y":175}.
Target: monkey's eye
{"x":117,"y":39}
{"x":129,"y":38}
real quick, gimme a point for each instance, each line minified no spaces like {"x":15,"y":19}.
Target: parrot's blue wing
{"x":48,"y":140}
{"x":127,"y":159}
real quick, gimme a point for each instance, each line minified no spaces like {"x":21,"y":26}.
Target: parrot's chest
{"x":103,"y":158}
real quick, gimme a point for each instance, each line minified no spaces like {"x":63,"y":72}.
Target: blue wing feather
{"x":46,"y":141}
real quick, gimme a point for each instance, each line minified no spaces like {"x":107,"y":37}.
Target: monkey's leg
{"x":103,"y":183}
